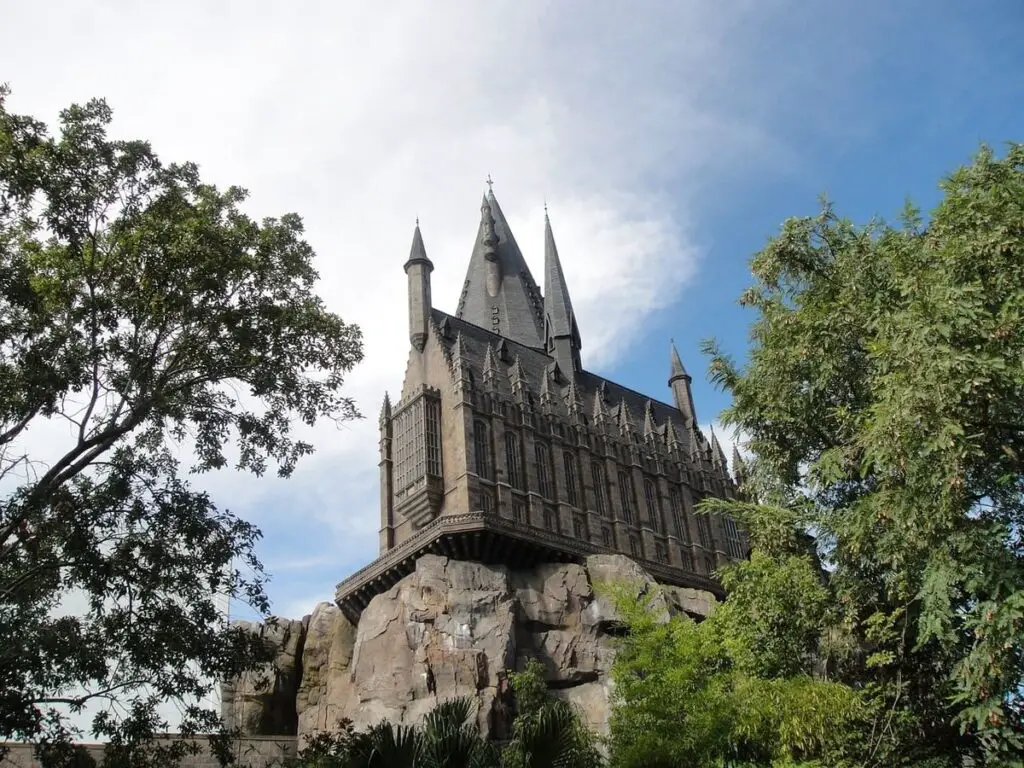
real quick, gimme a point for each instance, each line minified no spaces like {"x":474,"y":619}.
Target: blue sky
{"x":669,"y":139}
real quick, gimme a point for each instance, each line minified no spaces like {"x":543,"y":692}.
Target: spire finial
{"x":417,"y":221}
{"x":545,"y":207}
{"x":490,"y":184}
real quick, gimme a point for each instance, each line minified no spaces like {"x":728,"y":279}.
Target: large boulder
{"x":262,"y":702}
{"x":454,"y":628}
{"x":325,"y":690}
{"x":445,"y":630}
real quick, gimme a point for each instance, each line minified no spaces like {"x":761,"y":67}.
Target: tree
{"x":449,"y":738}
{"x":689,"y":694}
{"x":148,"y":318}
{"x":546,"y":732}
{"x":883,"y":398}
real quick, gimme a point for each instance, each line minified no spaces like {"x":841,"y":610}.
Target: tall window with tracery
{"x":417,"y":443}
{"x":676,"y":501}
{"x":704,"y":531}
{"x":733,"y":542}
{"x":433,"y":437}
{"x":653,"y":510}
{"x":543,"y":456}
{"x":686,"y":558}
{"x":597,"y":472}
{"x":626,"y":495}
{"x":514,"y":458}
{"x":569,"y":460}
{"x":482,"y":449}
{"x":634,"y":546}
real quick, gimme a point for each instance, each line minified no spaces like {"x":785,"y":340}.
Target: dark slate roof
{"x":534,"y":364}
{"x":518,"y":301}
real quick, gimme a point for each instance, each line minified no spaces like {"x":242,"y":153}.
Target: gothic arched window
{"x":704,"y":531}
{"x":543,"y":455}
{"x":569,"y":459}
{"x":733,"y":544}
{"x":482,"y":449}
{"x":676,"y":500}
{"x":514,"y":459}
{"x":626,"y":495}
{"x":597,"y":471}
{"x":653,"y":511}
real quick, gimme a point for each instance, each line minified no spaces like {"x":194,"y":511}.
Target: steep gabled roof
{"x":500,"y":294}
{"x":561,"y":321}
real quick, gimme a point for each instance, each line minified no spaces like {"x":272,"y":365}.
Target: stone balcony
{"x":487,"y":538}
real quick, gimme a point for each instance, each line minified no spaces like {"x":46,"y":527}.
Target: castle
{"x":503,"y":449}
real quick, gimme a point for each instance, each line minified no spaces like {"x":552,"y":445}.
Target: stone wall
{"x":251,"y":752}
{"x":451,"y":628}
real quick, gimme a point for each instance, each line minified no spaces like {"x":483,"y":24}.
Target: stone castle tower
{"x":503,"y":449}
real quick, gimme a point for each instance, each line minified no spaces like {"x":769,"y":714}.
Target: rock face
{"x":452,"y":628}
{"x":262,"y":703}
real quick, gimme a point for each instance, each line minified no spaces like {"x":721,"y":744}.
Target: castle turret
{"x":561,"y":334}
{"x":418,"y":269}
{"x":679,"y":381}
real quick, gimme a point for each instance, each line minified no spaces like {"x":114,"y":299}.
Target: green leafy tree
{"x":689,"y":694}
{"x":140,"y":312}
{"x":883,"y":398}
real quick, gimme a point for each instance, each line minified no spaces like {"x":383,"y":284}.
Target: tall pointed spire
{"x":600,"y":407}
{"x":573,"y":400}
{"x":679,"y":381}
{"x":739,"y":467}
{"x":625,"y":421}
{"x":672,"y":441}
{"x":418,"y":268}
{"x":490,"y":370}
{"x":561,"y":334}
{"x":500,"y":294}
{"x":649,"y":425}
{"x":517,"y":380}
{"x":677,"y":364}
{"x":717,"y":454}
{"x":547,"y":401}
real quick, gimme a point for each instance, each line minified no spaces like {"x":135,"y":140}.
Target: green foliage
{"x":547,"y":732}
{"x":883,"y":397}
{"x":141,"y":312}
{"x":689,"y":694}
{"x":771,"y":624}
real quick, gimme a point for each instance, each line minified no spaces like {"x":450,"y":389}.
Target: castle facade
{"x":504,"y":449}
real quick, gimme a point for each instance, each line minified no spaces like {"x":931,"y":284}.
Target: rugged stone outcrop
{"x":452,"y":628}
{"x":262,"y":703}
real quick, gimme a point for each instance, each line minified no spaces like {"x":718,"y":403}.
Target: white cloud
{"x":362,"y":116}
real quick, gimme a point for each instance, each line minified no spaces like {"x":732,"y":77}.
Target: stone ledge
{"x":489,"y":539}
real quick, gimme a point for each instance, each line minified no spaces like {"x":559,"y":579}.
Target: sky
{"x":669,"y":139}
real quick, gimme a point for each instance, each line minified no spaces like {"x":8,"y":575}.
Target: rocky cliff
{"x":450,"y":628}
